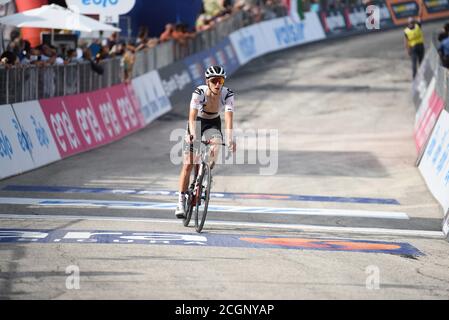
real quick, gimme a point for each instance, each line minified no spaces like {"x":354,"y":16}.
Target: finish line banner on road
{"x":205,"y":240}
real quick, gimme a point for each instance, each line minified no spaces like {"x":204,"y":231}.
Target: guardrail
{"x":31,"y":82}
{"x":431,"y":99}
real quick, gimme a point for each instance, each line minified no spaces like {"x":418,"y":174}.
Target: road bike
{"x":198,"y":193}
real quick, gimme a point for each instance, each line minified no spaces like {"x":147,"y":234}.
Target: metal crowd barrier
{"x":30,"y":82}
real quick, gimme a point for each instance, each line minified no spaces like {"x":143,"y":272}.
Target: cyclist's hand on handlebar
{"x":232,"y":146}
{"x":190,"y":138}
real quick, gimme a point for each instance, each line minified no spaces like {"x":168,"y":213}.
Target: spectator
{"x":168,"y":33}
{"x":213,"y":8}
{"x":142,"y":38}
{"x":128,"y":62}
{"x":87,"y":56}
{"x":8,"y":58}
{"x":443,"y":48}
{"x":203,"y":22}
{"x":118,"y":50}
{"x":72,"y":56}
{"x":112,"y":40}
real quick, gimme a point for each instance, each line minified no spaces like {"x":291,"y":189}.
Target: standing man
{"x":414,"y":43}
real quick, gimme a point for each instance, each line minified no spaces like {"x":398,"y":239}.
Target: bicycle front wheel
{"x":203,"y":195}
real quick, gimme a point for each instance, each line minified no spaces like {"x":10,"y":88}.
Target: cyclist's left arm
{"x":229,"y":118}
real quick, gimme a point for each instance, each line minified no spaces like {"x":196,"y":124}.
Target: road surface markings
{"x":234,"y":224}
{"x":218,"y":195}
{"x":130,"y":205}
{"x":90,"y":237}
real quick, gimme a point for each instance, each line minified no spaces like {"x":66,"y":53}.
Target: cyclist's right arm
{"x":192,"y":123}
{"x":195,"y":106}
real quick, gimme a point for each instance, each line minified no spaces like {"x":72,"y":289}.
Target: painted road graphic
{"x":218,"y":195}
{"x":171,"y":206}
{"x":204,"y":240}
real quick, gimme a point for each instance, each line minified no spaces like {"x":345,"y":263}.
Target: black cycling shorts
{"x":210,"y":128}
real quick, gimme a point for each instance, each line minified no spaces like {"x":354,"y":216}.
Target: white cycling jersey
{"x":199,"y":102}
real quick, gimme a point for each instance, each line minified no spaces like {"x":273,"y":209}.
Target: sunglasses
{"x":217,"y":80}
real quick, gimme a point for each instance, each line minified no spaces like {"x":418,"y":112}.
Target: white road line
{"x":212,"y":208}
{"x":300,"y":227}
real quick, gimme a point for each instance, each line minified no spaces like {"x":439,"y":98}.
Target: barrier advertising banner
{"x":426,"y":117}
{"x":249,"y":43}
{"x":434,"y":165}
{"x":197,"y":64}
{"x":86,"y":121}
{"x":401,"y":10}
{"x":226,"y":56}
{"x":177,"y":84}
{"x":15,"y":145}
{"x":34,"y":125}
{"x":151,"y":95}
{"x":291,"y":31}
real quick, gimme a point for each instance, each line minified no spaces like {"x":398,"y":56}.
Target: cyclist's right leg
{"x":183,"y":185}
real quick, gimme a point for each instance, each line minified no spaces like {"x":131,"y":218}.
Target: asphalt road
{"x":337,"y":210}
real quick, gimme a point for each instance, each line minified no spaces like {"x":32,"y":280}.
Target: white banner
{"x":153,"y":100}
{"x":32,"y":120}
{"x":291,"y":31}
{"x":249,"y":43}
{"x":259,"y":39}
{"x":434,"y":165}
{"x":15,"y":144}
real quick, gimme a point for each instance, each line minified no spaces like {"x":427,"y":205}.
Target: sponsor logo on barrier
{"x":15,"y":144}
{"x":153,"y":99}
{"x":176,"y":82}
{"x":83,"y":122}
{"x":6,"y":150}
{"x":434,"y":165}
{"x":289,"y":33}
{"x":333,"y":22}
{"x":248,"y":46}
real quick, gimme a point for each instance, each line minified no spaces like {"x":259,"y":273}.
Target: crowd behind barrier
{"x":33,"y":73}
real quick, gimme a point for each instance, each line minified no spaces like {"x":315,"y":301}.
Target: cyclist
{"x":205,"y":106}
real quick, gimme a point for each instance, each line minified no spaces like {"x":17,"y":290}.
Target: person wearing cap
{"x":414,"y":43}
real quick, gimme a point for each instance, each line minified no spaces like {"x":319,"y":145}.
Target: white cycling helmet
{"x":215,"y":71}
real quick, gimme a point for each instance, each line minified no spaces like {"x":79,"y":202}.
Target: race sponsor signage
{"x":291,"y":31}
{"x":226,"y":56}
{"x":427,"y":10}
{"x":15,"y":144}
{"x":333,"y":22}
{"x":434,"y":165}
{"x":42,"y":145}
{"x":108,"y":10}
{"x":197,"y":64}
{"x":83,"y":122}
{"x":436,"y":6}
{"x":426,"y":117}
{"x":176,"y":82}
{"x":249,"y":43}
{"x":363,"y":18}
{"x":151,"y":95}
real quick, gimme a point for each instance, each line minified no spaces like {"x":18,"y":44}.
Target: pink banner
{"x":426,"y":122}
{"x":87,"y":121}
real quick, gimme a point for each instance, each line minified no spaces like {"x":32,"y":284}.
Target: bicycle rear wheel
{"x":202,"y":198}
